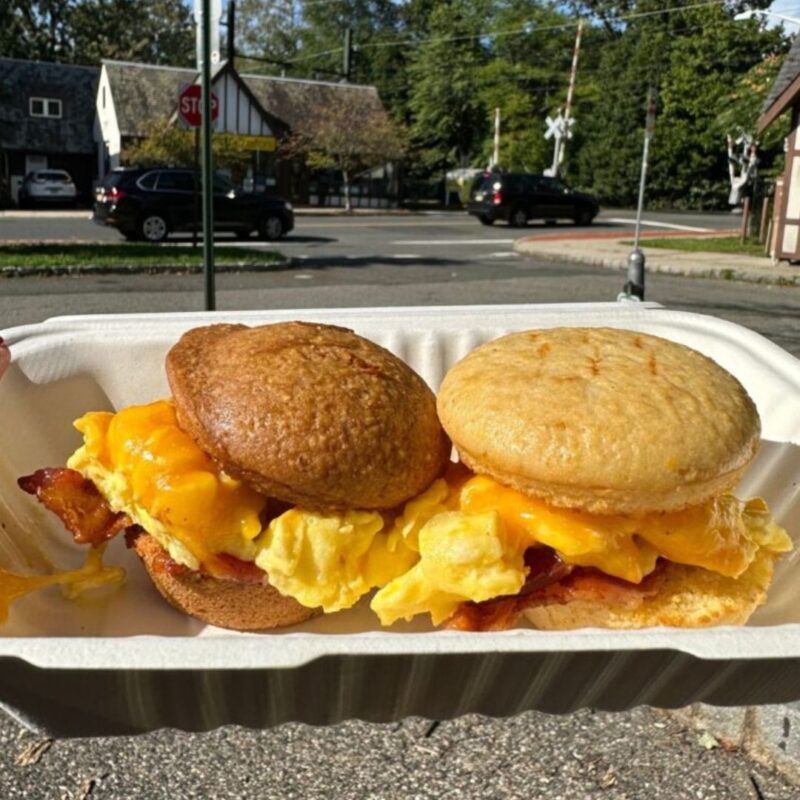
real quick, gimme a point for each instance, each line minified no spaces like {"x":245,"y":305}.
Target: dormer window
{"x":44,"y":107}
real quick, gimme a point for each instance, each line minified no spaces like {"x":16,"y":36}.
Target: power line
{"x":527,"y":29}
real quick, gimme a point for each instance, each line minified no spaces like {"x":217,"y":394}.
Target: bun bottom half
{"x":678,"y":596}
{"x":223,"y":603}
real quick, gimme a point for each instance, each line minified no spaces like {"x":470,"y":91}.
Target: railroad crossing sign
{"x":560,"y":127}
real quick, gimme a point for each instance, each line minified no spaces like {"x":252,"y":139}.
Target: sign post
{"x":561,"y":127}
{"x":634,"y":288}
{"x":189,"y":114}
{"x":198,"y":107}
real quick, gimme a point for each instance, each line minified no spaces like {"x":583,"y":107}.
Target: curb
{"x":117,"y":269}
{"x":522,"y":246}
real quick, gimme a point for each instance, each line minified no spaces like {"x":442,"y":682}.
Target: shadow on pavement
{"x":326,"y":262}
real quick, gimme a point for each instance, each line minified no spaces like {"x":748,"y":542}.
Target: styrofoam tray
{"x":126,"y":661}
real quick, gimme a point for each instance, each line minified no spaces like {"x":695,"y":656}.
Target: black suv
{"x":518,"y":197}
{"x":150,"y":204}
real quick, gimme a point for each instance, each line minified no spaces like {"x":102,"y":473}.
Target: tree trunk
{"x":348,"y":205}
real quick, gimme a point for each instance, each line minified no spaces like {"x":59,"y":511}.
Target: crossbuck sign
{"x":560,"y":127}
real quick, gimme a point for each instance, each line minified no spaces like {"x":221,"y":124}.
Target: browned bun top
{"x":600,"y":419}
{"x":310,"y":414}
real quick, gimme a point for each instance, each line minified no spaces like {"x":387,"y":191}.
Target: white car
{"x":45,"y":186}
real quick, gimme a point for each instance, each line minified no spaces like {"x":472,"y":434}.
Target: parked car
{"x":150,"y":204}
{"x":519,"y":197}
{"x":47,"y":187}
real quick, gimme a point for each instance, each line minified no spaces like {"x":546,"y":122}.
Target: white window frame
{"x":45,"y":101}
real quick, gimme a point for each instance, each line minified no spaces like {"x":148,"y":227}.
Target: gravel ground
{"x":639,"y":755}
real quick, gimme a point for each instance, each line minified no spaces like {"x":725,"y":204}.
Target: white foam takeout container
{"x":125,"y":661}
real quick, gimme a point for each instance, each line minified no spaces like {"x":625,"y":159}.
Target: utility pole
{"x":347,"y":66}
{"x":561,"y":127}
{"x":231,"y":30}
{"x":572,"y":73}
{"x":496,"y":152}
{"x":634,"y":288}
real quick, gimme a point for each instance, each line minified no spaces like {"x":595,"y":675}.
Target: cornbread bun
{"x":310,"y":414}
{"x":600,"y":419}
{"x":677,"y":596}
{"x":224,"y":603}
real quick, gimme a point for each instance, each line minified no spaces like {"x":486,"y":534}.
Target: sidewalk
{"x":610,"y":250}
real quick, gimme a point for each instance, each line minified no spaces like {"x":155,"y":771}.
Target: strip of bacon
{"x":545,"y":569}
{"x":230,"y":568}
{"x":577,"y":583}
{"x":224,"y":567}
{"x":77,"y":503}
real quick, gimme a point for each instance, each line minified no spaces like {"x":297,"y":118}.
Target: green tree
{"x":36,"y":29}
{"x":373,"y":23}
{"x":87,"y":31}
{"x":164,"y":144}
{"x":268,"y":30}
{"x":450,"y":120}
{"x":347,"y":137}
{"x":697,"y":58}
{"x":527,"y":80}
{"x":149,"y":31}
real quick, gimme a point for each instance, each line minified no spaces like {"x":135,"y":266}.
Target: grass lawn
{"x":30,"y":256}
{"x":706,"y":244}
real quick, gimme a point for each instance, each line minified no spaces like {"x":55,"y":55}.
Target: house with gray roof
{"x":784,"y":98}
{"x":47,"y":119}
{"x":263,"y":108}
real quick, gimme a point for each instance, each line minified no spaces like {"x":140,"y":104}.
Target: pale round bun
{"x":600,"y":419}
{"x":310,"y":414}
{"x":682,"y":597}
{"x":223,"y":603}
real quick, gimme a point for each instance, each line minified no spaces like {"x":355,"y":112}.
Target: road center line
{"x":671,"y":225}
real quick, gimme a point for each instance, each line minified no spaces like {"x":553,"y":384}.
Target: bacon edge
{"x":76,"y":501}
{"x":85,"y":513}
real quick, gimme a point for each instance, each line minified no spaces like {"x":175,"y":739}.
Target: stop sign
{"x":190,"y":109}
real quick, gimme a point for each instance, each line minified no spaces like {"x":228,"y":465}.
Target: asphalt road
{"x":373,"y":261}
{"x":637,"y":755}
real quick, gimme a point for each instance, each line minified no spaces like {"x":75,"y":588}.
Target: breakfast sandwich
{"x":274,"y":482}
{"x":594,"y":490}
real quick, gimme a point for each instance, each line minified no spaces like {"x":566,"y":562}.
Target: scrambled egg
{"x":146,"y":466}
{"x":462,"y":557}
{"x":460,"y":540}
{"x":476,"y":553}
{"x":330,"y":560}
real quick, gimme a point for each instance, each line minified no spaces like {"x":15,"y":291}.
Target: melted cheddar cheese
{"x":146,"y":466}
{"x":476,"y":552}
{"x":92,"y":575}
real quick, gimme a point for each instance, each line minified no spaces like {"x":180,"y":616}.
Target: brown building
{"x":263,"y":108}
{"x":784,"y":98}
